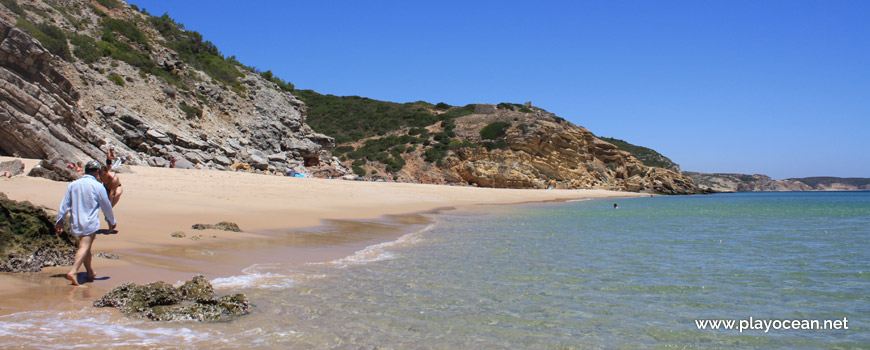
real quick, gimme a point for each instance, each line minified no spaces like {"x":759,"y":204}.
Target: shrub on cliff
{"x":50,"y":36}
{"x":494,"y":130}
{"x":13,"y":6}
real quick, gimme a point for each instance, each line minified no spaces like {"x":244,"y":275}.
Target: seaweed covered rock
{"x":27,"y":239}
{"x":223,"y":226}
{"x":159,"y":301}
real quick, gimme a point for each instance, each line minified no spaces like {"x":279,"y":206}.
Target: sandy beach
{"x":274,"y":211}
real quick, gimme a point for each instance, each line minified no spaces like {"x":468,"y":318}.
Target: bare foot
{"x":74,"y":278}
{"x":91,"y":277}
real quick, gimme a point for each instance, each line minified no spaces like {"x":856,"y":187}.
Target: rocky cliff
{"x":103,"y":74}
{"x":141,"y":97}
{"x":718,"y":182}
{"x":535,"y":149}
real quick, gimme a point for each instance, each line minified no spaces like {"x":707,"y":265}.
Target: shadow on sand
{"x":81,"y":277}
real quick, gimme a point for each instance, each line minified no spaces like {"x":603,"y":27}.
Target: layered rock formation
{"x":39,"y":117}
{"x":71,"y":111}
{"x":550,"y":152}
{"x":540,"y":150}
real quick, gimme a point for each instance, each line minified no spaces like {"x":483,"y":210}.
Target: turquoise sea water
{"x":575,"y":275}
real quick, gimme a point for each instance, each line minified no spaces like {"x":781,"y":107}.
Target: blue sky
{"x":780,"y":88}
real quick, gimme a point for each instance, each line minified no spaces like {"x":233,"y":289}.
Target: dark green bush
{"x":85,"y":48}
{"x":117,"y":79}
{"x":359,"y":171}
{"x":189,"y":111}
{"x":494,"y":130}
{"x":13,"y":6}
{"x":202,"y":55}
{"x":342,"y":150}
{"x":436,"y":153}
{"x":110,"y":4}
{"x":129,"y":30}
{"x":283,"y":85}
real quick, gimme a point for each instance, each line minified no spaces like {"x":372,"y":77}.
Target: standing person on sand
{"x":112,"y":184}
{"x":83,"y":197}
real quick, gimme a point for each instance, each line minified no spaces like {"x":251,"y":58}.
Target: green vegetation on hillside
{"x":351,"y":118}
{"x":196,"y":52}
{"x":13,"y":6}
{"x":494,"y":130}
{"x":51,"y":37}
{"x":647,"y":156}
{"x":125,"y":41}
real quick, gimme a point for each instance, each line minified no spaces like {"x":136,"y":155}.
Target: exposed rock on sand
{"x":54,"y":170}
{"x":223,"y":226}
{"x":14,"y":167}
{"x":160,"y":301}
{"x":27,"y":239}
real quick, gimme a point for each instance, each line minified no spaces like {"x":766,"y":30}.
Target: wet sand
{"x":287,"y":220}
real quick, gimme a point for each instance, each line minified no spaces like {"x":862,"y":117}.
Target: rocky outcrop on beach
{"x":54,"y":170}
{"x":159,"y":301}
{"x":27,"y":239}
{"x":142,"y":98}
{"x":222,"y":226}
{"x":724,"y":182}
{"x":12,"y":167}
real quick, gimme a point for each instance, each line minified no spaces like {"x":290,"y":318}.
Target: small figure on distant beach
{"x":172,"y":162}
{"x":112,"y":184}
{"x":615,"y":206}
{"x":78,"y":168}
{"x":83,"y":198}
{"x":110,"y":156}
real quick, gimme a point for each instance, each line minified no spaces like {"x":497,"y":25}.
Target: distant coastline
{"x":728,"y":182}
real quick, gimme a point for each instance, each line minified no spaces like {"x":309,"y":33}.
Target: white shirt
{"x":83,"y":197}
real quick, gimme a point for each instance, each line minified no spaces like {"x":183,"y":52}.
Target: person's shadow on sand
{"x":106,"y":231}
{"x":81,"y":277}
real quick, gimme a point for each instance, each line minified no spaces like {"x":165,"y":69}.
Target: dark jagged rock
{"x":27,"y":239}
{"x":159,"y":301}
{"x":14,"y":167}
{"x":223,"y":226}
{"x":54,"y":170}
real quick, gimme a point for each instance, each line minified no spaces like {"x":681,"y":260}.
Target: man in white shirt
{"x":83,"y":200}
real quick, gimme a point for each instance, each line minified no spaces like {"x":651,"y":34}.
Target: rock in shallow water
{"x":160,"y":301}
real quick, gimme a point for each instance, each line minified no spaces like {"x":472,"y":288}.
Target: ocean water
{"x":573,"y":275}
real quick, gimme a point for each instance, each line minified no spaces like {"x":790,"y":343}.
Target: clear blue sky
{"x":773,"y":87}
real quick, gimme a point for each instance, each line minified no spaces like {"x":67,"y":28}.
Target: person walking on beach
{"x":82,"y":200}
{"x":112,"y":184}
